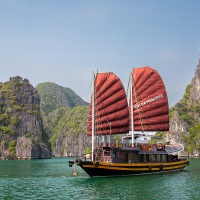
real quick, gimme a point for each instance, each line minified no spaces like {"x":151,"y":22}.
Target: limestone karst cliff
{"x":64,"y":116}
{"x":185,"y":117}
{"x":67,"y":130}
{"x":21,"y":130}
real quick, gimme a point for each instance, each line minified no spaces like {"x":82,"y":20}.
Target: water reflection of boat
{"x":110,"y":115}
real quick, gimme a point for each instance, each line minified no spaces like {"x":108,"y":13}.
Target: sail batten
{"x":111,"y":107}
{"x":149,"y":110}
{"x":150,"y":102}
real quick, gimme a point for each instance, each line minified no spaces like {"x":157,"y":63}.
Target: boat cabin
{"x":135,"y":154}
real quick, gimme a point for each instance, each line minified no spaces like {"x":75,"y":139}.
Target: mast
{"x":93,"y":113}
{"x":132,"y":122}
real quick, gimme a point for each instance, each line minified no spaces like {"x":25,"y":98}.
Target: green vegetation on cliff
{"x":12,"y":105}
{"x":19,"y":117}
{"x":188,"y":111}
{"x":64,"y":116}
{"x":63,"y":119}
{"x":72,"y":122}
{"x":53,"y":96}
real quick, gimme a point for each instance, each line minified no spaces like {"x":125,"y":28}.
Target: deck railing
{"x":142,"y":146}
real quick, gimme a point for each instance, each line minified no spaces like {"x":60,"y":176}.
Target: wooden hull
{"x":120,"y":169}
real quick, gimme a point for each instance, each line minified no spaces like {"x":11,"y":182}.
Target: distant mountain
{"x":64,"y":116}
{"x":53,"y":96}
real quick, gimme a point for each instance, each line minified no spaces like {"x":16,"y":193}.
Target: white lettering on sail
{"x":139,"y":105}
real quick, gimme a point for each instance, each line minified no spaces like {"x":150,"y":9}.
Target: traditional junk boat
{"x":110,"y":115}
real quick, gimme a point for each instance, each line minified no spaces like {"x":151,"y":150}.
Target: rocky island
{"x":21,"y":130}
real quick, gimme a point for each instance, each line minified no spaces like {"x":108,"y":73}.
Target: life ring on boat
{"x":70,"y":164}
{"x":78,"y":161}
{"x":96,"y":164}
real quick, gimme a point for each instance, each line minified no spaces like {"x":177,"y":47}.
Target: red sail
{"x":111,"y":107}
{"x":150,"y":102}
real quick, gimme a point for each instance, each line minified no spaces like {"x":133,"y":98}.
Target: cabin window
{"x":107,"y":153}
{"x":145,"y":158}
{"x":114,"y":153}
{"x":152,"y":158}
{"x":158,"y":157}
{"x":139,"y":158}
{"x":124,"y":156}
{"x":164,"y":158}
{"x":170,"y":158}
{"x":130,"y":156}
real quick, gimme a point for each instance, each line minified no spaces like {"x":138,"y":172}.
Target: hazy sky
{"x":64,"y":41}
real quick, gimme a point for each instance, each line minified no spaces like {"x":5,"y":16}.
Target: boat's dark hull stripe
{"x":108,"y":169}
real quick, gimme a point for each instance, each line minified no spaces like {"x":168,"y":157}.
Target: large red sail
{"x":111,"y":107}
{"x":150,"y":102}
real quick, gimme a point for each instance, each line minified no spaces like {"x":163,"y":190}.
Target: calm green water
{"x":53,"y":179}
